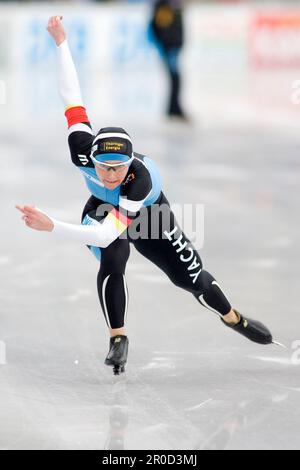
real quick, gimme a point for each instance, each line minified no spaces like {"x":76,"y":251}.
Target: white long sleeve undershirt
{"x":95,"y":234}
{"x":68,"y":83}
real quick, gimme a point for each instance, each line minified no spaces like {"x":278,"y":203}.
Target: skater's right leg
{"x":113,"y":297}
{"x":112,"y":287}
{"x":111,"y":280}
{"x":117,"y":332}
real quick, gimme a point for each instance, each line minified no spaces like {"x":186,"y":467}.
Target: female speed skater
{"x":126,"y":192}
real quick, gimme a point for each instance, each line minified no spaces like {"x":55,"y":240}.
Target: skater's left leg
{"x":173,"y":253}
{"x":189,"y":276}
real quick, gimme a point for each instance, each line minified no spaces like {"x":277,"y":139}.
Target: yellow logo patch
{"x":129,"y":178}
{"x":113,"y":147}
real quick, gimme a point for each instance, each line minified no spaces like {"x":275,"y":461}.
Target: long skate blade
{"x":118,"y":370}
{"x":279,"y":344}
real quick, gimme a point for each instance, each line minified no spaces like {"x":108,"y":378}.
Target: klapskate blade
{"x":279,"y":344}
{"x":118,"y":370}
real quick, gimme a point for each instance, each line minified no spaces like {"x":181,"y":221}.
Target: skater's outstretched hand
{"x":36,"y":219}
{"x":56,"y":29}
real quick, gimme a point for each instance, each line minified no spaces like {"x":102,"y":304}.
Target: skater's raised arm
{"x":68,"y":83}
{"x":96,"y":234}
{"x":80,"y":131}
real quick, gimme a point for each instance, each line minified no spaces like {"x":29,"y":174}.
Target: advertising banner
{"x":275,"y":39}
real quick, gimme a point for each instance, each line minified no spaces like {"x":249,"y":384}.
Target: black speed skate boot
{"x":118,"y":352}
{"x":252,"y":329}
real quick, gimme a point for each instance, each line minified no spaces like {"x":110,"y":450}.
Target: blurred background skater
{"x":167,"y":32}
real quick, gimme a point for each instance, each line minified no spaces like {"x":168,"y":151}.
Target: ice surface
{"x":190,"y":382}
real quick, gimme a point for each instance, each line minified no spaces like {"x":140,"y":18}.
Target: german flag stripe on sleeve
{"x":75,"y":115}
{"x":119,"y":220}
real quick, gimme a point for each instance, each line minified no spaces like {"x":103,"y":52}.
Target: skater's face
{"x":112,"y":176}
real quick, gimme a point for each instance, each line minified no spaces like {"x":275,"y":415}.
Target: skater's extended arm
{"x":95,"y":234}
{"x":68,"y":83}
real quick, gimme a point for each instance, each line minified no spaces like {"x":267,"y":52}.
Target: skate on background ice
{"x":117,"y":355}
{"x":253,"y":330}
